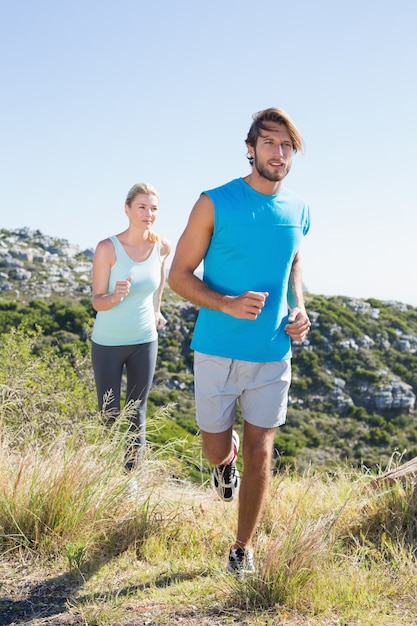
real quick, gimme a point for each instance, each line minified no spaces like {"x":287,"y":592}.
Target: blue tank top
{"x":132,"y":320}
{"x":254,"y":242}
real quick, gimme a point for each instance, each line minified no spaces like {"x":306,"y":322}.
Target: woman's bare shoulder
{"x":105,"y":249}
{"x":165,"y":246}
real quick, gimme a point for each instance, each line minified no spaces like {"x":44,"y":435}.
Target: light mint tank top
{"x":132,"y":320}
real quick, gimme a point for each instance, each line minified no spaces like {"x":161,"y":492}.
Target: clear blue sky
{"x":99,"y":94}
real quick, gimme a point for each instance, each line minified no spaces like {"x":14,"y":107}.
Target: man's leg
{"x":221,"y":450}
{"x":257,"y":454}
{"x":217,"y":447}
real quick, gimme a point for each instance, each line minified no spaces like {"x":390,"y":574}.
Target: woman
{"x":128,"y":281}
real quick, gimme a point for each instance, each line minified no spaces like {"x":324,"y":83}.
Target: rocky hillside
{"x":353,"y":396}
{"x":36,"y":265}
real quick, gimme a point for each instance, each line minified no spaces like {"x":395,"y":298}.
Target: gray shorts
{"x":260,"y":388}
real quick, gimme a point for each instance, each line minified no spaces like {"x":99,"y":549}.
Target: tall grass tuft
{"x":73,"y":490}
{"x":295,"y":540}
{"x":386,"y":523}
{"x":293,"y":558}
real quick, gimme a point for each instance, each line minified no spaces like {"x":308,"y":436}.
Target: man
{"x":248,"y":233}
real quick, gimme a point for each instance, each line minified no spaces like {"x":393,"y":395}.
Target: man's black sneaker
{"x":226,"y":478}
{"x":240,"y":561}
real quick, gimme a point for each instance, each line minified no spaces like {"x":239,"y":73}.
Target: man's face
{"x":272,"y":154}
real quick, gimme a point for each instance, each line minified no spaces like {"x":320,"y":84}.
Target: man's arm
{"x":299,"y":324}
{"x":191,"y":250}
{"x":295,"y":285}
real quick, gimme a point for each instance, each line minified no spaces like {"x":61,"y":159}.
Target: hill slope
{"x":354,"y":383}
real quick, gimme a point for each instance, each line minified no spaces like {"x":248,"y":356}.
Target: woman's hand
{"x":160,"y":320}
{"x":122,"y":289}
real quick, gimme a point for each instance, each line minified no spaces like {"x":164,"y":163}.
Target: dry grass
{"x":76,"y":549}
{"x":82,"y":544}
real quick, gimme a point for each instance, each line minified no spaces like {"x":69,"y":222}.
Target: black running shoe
{"x":240,"y":561}
{"x":226,"y":479}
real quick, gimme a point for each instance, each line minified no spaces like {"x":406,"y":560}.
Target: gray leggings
{"x":140,"y":362}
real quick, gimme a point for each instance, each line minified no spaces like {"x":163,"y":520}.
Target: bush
{"x":42,"y":393}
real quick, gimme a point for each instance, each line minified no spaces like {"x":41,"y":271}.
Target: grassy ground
{"x":81,"y":543}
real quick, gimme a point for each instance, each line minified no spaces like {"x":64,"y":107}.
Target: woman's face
{"x":143,"y":210}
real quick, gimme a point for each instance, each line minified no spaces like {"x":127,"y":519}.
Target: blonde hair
{"x":149,"y":190}
{"x":145,"y":188}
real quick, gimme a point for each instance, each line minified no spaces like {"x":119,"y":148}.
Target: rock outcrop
{"x":39,"y":266}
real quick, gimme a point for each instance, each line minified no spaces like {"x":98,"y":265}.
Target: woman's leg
{"x":140,"y":370}
{"x":108,"y":364}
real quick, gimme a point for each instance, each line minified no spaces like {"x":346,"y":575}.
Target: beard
{"x":272,"y":175}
